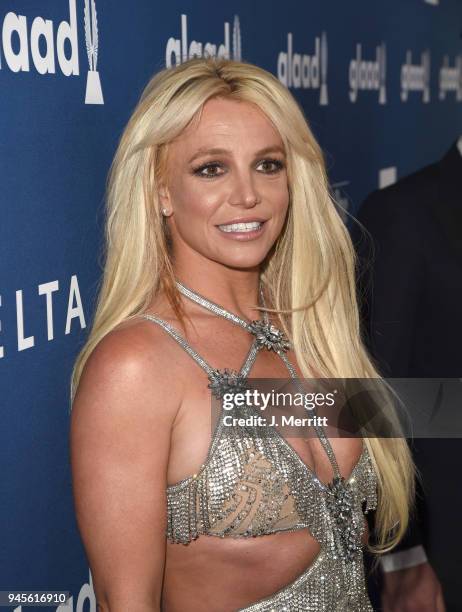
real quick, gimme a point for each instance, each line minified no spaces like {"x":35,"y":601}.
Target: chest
{"x":199,"y":414}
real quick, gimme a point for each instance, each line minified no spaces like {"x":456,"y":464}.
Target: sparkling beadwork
{"x":251,"y":485}
{"x":269,"y":336}
{"x":340,"y":503}
{"x":226,"y":381}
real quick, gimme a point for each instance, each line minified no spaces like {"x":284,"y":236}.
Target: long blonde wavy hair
{"x":309,"y":275}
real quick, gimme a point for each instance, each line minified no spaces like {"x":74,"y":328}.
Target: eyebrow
{"x":219,"y":151}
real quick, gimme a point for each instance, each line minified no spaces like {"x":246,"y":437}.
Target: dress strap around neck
{"x":219,"y":310}
{"x":181,"y":341}
{"x":211,"y":372}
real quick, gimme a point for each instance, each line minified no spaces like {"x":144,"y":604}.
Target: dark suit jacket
{"x":411,"y":302}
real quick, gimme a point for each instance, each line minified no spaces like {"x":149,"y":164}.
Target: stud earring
{"x":165,"y":212}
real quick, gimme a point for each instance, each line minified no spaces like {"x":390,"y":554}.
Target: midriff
{"x":225,"y":574}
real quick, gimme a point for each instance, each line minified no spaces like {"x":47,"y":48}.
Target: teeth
{"x":241,"y":227}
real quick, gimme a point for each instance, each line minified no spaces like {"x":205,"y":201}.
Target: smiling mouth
{"x":241,"y":227}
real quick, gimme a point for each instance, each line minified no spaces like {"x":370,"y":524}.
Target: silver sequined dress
{"x":252,"y":485}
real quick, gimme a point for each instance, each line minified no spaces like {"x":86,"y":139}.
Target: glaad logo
{"x":178,"y":50}
{"x":305,"y":71}
{"x":416,"y":77}
{"x":451,"y":78}
{"x":93,"y":94}
{"x":18,"y":61}
{"x":43,"y":55}
{"x":369,"y":75}
{"x":86,"y":599}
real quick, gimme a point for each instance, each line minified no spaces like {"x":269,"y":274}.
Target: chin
{"x":242,"y":263}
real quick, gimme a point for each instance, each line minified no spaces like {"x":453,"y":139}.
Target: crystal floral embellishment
{"x":226,"y":381}
{"x":340,"y":505}
{"x":269,"y":336}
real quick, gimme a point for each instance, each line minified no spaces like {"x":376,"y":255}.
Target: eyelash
{"x":198,"y":171}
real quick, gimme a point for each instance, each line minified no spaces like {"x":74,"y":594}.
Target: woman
{"x":219,"y":212}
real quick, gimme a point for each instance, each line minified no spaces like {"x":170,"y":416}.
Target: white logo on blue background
{"x":237,"y":51}
{"x":305,"y":71}
{"x":93,"y":94}
{"x":450,"y":78}
{"x":43,"y":56}
{"x":368,"y":75}
{"x":416,"y":77}
{"x":18,"y":61}
{"x":179,"y":50}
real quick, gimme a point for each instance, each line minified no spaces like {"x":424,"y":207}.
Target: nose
{"x":244,"y":192}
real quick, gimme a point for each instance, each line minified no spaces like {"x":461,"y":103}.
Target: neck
{"x":232,"y":289}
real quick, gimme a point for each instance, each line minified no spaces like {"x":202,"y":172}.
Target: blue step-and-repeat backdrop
{"x":380,"y":82}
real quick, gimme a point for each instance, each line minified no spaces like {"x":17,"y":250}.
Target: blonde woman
{"x":225,"y":261}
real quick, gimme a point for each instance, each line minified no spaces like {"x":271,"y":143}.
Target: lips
{"x":243,"y":220}
{"x":243,"y":223}
{"x":249,"y":226}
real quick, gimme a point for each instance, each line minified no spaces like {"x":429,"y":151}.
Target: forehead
{"x":225,"y":122}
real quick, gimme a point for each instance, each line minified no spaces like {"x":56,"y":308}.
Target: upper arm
{"x":120,"y":439}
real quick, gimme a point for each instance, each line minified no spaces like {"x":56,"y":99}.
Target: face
{"x":227,"y":189}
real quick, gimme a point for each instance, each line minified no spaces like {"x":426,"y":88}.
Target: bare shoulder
{"x":121,"y":424}
{"x":134,"y":362}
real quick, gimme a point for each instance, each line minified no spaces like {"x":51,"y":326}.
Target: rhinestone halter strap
{"x":201,"y":503}
{"x":270,"y":337}
{"x":340,"y":499}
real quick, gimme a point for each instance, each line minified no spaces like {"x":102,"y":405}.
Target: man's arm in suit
{"x":390,"y":278}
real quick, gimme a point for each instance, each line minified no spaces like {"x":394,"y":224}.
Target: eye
{"x":214,"y":169}
{"x":271,"y":166}
{"x":209,"y":170}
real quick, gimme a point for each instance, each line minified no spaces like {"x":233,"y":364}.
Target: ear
{"x":164,"y":195}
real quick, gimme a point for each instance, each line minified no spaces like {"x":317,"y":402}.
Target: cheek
{"x":195,"y":206}
{"x":279,"y":196}
{"x":275,"y":188}
{"x":194,"y":201}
